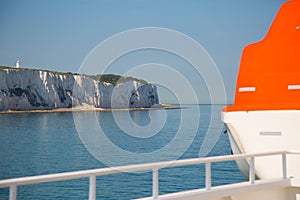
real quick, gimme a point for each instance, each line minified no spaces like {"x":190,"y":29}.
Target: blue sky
{"x":59,"y":34}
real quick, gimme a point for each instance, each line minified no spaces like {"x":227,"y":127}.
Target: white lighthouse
{"x":18,"y":65}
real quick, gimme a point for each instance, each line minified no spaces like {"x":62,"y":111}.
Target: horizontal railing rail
{"x":154,"y":167}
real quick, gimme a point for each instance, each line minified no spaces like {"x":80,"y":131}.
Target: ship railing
{"x":13,"y":183}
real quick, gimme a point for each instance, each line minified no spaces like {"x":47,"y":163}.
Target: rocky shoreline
{"x":90,"y":109}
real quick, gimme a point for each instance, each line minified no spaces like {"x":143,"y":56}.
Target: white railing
{"x":12,"y":184}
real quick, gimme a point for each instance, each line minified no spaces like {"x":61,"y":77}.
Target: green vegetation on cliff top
{"x":114,"y":79}
{"x":108,"y":78}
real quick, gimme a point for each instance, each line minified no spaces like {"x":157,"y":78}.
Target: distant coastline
{"x":92,"y":109}
{"x":32,"y":90}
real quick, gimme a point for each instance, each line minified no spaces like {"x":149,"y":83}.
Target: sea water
{"x":44,"y":143}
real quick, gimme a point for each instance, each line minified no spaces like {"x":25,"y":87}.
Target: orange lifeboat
{"x":269,"y":74}
{"x":265,"y":115}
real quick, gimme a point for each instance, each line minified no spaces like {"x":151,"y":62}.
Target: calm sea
{"x":44,"y":143}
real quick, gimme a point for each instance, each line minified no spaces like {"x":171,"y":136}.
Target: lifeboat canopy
{"x":269,"y":74}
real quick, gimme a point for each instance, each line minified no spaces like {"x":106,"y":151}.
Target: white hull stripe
{"x":247,"y":89}
{"x":294,"y":87}
{"x":270,"y":133}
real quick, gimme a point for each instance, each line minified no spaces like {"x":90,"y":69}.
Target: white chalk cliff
{"x":26,"y":89}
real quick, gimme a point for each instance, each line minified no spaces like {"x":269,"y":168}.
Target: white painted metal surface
{"x":92,"y":188}
{"x":260,"y":131}
{"x":155,"y":184}
{"x":210,"y":191}
{"x":252,"y":171}
{"x":208,"y":176}
{"x":225,"y":192}
{"x":247,"y":89}
{"x":293,"y":87}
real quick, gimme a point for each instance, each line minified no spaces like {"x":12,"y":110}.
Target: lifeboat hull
{"x":259,"y":131}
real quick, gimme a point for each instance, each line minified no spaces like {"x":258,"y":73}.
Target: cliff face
{"x":34,"y":89}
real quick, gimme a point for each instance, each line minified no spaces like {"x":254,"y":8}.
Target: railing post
{"x":284,"y":172}
{"x":13,"y":192}
{"x":92,"y":189}
{"x":208,"y":175}
{"x":155,"y":184}
{"x":252,"y":171}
